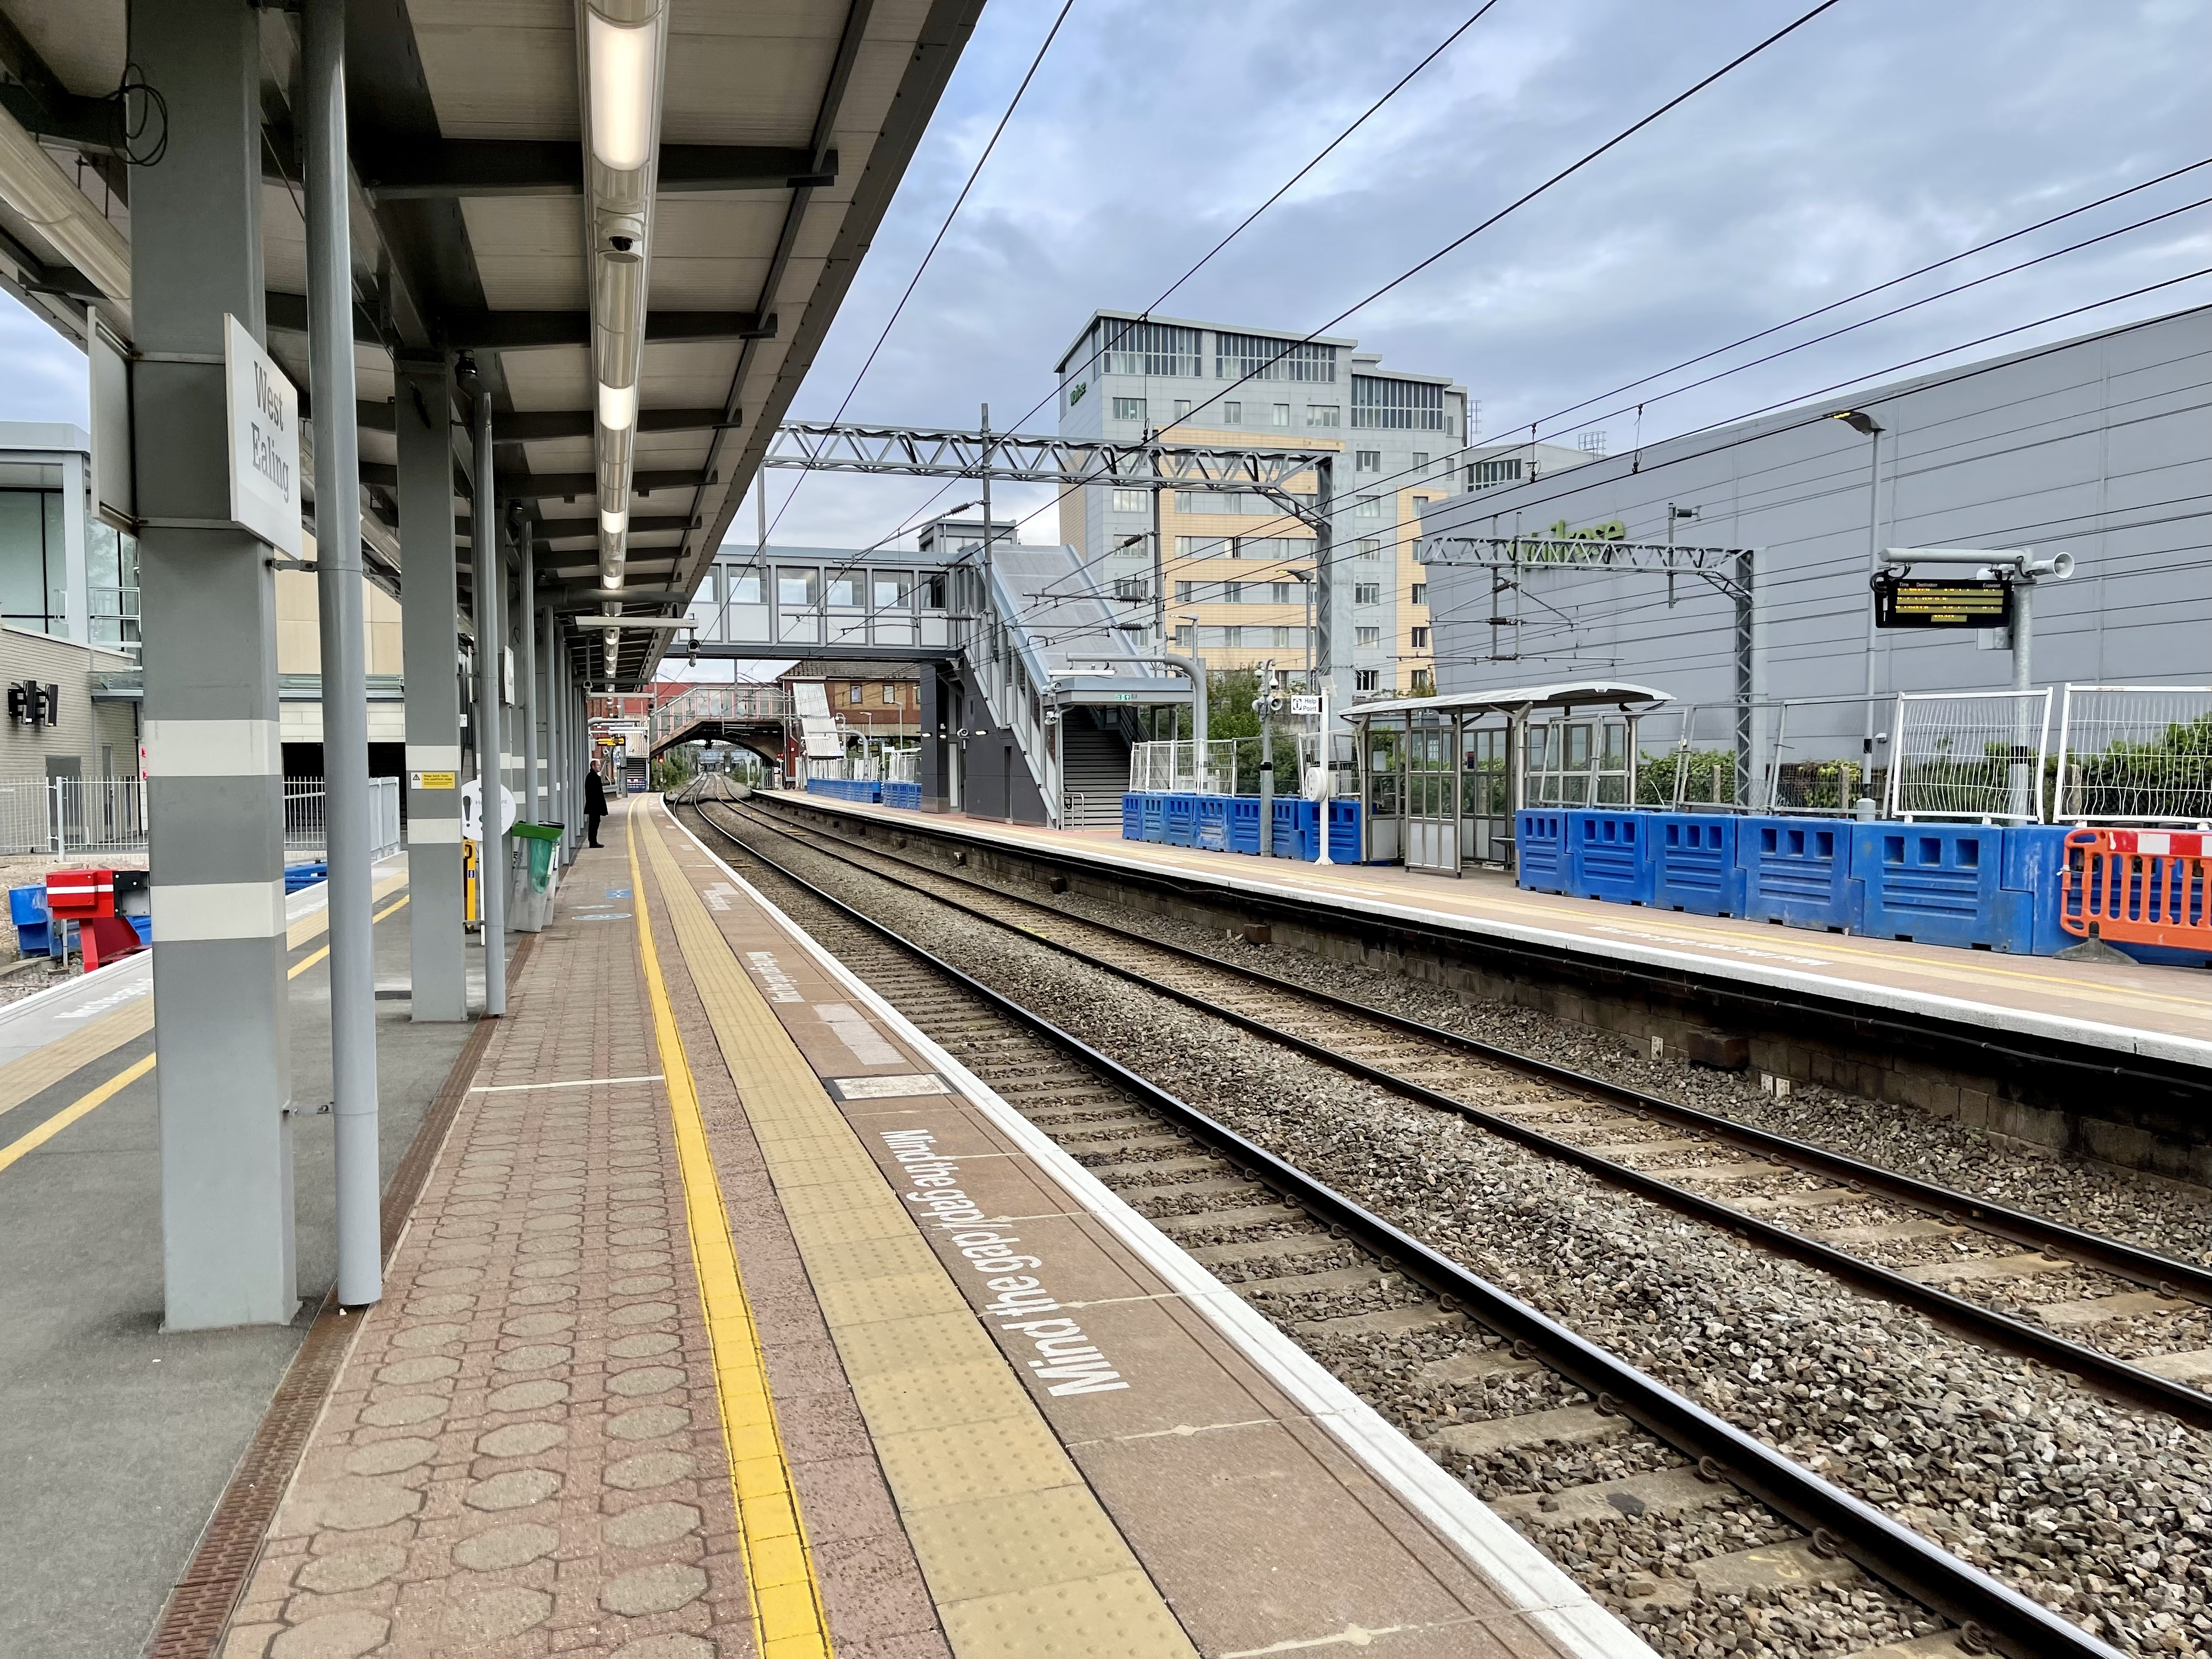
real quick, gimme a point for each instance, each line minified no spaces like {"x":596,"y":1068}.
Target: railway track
{"x":1691,"y":1486}
{"x":1489,"y":1086}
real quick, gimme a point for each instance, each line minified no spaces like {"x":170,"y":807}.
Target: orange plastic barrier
{"x":2139,"y":887}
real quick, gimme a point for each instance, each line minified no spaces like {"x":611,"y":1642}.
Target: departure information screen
{"x":1903,"y":602}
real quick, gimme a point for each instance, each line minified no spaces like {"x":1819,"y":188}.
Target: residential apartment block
{"x":1236,"y":569}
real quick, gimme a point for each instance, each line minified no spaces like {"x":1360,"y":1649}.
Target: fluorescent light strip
{"x":622,"y":57}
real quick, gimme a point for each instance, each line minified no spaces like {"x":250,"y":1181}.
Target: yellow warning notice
{"x":430,"y":780}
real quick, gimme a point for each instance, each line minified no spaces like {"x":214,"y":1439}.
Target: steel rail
{"x":2167,"y":1274}
{"x":2097,"y":1370}
{"x":1989,"y":1611}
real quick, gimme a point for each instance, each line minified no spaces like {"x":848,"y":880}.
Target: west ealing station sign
{"x":1969,"y":602}
{"x":264,"y":442}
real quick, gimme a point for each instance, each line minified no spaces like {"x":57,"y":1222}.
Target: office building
{"x":1235,"y":567}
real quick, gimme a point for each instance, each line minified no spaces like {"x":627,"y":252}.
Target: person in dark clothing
{"x":595,"y":802}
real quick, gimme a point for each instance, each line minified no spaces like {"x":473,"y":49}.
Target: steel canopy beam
{"x":955,"y":453}
{"x":460,"y":169}
{"x":520,"y":331}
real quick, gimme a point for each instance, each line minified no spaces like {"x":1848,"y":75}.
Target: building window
{"x":1132,"y":500}
{"x":845,"y":590}
{"x":745,"y":585}
{"x":112,"y":575}
{"x":1367,"y":637}
{"x":1232,"y":414}
{"x":1367,"y":460}
{"x":1364,"y":679}
{"x":1323,"y":415}
{"x":893,"y":589}
{"x":1289,"y":638}
{"x":1182,"y":408}
{"x":1483,"y":474}
{"x":798,"y":585}
{"x":1133,"y":590}
{"x":1129,"y":408}
{"x":1419,"y":638}
{"x":1182,"y":591}
{"x":1232,"y":593}
{"x":1256,"y":357}
{"x":890,"y":694}
{"x":853,"y":693}
{"x":1368,"y":547}
{"x":1380,"y":402}
{"x":31,"y":559}
{"x":1183,"y":635}
{"x":1285,"y":593}
{"x":1420,"y":594}
{"x":1420,"y":459}
{"x":1152,"y":348}
{"x":1367,"y":507}
{"x":1425,"y":682}
{"x":1279,"y":414}
{"x":1367,"y":594}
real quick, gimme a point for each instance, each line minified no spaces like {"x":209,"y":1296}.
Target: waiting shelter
{"x":1441,"y":778}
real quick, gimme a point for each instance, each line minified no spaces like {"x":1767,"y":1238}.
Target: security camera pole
{"x":1264,"y":706}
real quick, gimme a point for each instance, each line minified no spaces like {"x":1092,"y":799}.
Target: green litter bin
{"x":543,"y":838}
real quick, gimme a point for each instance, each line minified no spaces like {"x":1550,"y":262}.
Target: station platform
{"x":2131,"y":1009}
{"x":117,"y":1439}
{"x":736,"y":1317}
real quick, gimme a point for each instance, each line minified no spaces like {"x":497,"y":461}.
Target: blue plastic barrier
{"x":1155,"y":823}
{"x":143,"y":926}
{"x":26,"y":908}
{"x":1133,"y":816}
{"x":1609,"y":856}
{"x":1540,"y":838}
{"x":1212,"y":828}
{"x":297,"y":876}
{"x":906,"y":795}
{"x":1344,"y":831}
{"x":1693,"y":864}
{"x":1243,"y":814}
{"x":1940,"y":884}
{"x":1798,"y":872}
{"x":1298,"y":827}
{"x":1181,"y":819}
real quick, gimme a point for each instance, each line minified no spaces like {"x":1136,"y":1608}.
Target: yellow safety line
{"x":788,"y":1622}
{"x":69,"y":1113}
{"x":129,"y":1074}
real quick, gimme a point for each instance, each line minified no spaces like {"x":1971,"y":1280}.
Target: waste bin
{"x":531,"y":908}
{"x":545,"y":840}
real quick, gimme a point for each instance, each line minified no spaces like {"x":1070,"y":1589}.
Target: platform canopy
{"x":1517,"y":700}
{"x":784,"y":130}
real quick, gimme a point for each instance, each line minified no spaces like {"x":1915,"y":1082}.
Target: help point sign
{"x":265,"y":440}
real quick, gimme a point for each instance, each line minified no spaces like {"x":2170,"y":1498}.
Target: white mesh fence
{"x":1181,"y":769}
{"x":2135,"y":754}
{"x":1970,"y":755}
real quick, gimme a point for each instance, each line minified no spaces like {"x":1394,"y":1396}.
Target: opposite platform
{"x":736,"y":1318}
{"x":2160,"y":1013}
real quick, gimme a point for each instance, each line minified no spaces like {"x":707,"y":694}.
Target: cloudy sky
{"x":1882,"y":135}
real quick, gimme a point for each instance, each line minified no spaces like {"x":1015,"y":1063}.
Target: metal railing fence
{"x":1970,"y":755}
{"x":2134,"y":754}
{"x":62,"y":817}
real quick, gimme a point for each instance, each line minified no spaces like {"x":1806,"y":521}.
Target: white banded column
{"x":210,"y":731}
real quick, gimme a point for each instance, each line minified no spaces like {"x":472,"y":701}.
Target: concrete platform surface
{"x":736,"y":1318}
{"x":2162,"y":1011}
{"x":116,"y":1439}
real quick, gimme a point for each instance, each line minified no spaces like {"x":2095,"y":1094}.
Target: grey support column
{"x":210,"y":702}
{"x":345,"y":686}
{"x":526,"y":673}
{"x":490,"y":732}
{"x":428,"y":601}
{"x":549,"y":691}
